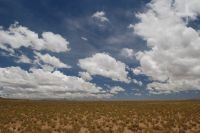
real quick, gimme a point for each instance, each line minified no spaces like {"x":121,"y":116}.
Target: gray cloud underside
{"x":37,"y":83}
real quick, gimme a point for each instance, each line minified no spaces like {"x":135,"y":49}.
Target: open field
{"x":122,"y":116}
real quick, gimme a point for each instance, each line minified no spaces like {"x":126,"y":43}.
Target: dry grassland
{"x":22,"y":116}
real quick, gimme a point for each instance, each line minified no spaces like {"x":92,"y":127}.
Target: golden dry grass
{"x":102,"y":117}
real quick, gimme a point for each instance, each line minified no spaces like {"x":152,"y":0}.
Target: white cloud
{"x":45,"y":67}
{"x":128,"y":53}
{"x":116,"y":90}
{"x":100,"y":16}
{"x":137,"y":82}
{"x":49,"y":60}
{"x":136,"y":71}
{"x":55,"y":42}
{"x":105,"y":65}
{"x":24,"y":59}
{"x":187,"y":8}
{"x":85,"y":75}
{"x":37,"y":83}
{"x":84,"y":38}
{"x":131,"y":26}
{"x":172,"y":60}
{"x":17,"y":36}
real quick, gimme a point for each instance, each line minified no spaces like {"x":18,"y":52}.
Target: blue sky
{"x":105,"y":49}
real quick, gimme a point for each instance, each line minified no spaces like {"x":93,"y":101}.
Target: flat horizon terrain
{"x":43,"y":116}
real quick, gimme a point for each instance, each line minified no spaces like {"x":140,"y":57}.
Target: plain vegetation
{"x":24,"y":116}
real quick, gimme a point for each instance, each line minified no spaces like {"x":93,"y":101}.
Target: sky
{"x":100,"y":49}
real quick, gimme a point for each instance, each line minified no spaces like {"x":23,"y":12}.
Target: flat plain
{"x":26,"y":116}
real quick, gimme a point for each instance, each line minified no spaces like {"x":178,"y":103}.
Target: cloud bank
{"x":172,"y":61}
{"x":42,"y":80}
{"x":40,"y":84}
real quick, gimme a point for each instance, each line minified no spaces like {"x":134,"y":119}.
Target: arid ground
{"x":100,"y":116}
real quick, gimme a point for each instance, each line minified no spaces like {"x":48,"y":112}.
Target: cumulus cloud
{"x":85,"y":75}
{"x":136,"y":71}
{"x":187,"y":8}
{"x":37,"y":83}
{"x":131,"y":26}
{"x":137,"y":82}
{"x":100,"y":16}
{"x":24,"y":59}
{"x":18,"y":36}
{"x":116,"y":90}
{"x":172,"y":60}
{"x":48,"y":60}
{"x":127,"y":53}
{"x":104,"y":65}
{"x":43,"y":80}
{"x":55,"y":42}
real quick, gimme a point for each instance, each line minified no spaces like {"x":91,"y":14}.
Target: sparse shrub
{"x":45,"y":116}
